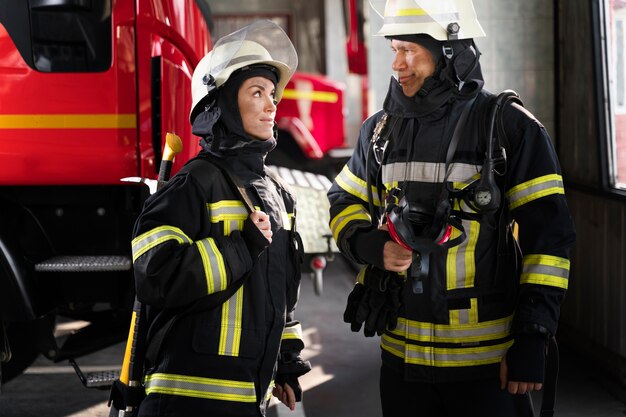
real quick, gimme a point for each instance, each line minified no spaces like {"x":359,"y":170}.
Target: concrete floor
{"x":344,"y":380}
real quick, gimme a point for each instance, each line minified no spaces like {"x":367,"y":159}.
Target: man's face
{"x":413,"y":63}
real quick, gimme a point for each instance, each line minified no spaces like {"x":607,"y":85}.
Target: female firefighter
{"x":224,"y":282}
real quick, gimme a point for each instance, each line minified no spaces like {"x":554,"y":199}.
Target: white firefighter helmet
{"x":261,"y":42}
{"x":441,"y":19}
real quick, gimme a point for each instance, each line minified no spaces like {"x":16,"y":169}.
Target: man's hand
{"x":515,"y":387}
{"x":395,"y":257}
{"x":262,"y":222}
{"x":285,"y":394}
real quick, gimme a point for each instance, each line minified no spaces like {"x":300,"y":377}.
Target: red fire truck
{"x":88,"y":91}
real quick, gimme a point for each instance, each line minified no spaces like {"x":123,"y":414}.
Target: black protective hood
{"x":458,"y":77}
{"x":220,"y":125}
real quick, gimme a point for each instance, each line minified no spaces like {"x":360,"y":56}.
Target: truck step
{"x":84,"y":264}
{"x":98,"y":379}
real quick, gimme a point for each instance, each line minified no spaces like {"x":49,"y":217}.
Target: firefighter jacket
{"x":190,"y":243}
{"x":479,"y":293}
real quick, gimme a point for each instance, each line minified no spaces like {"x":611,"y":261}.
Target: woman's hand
{"x":262,"y":222}
{"x":285,"y":394}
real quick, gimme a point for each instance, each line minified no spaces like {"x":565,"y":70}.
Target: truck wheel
{"x":24,"y":349}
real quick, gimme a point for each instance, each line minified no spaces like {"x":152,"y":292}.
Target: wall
{"x":593,"y":315}
{"x":517,"y":54}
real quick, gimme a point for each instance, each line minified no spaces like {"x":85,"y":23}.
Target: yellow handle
{"x":124,"y":374}
{"x":173,"y":146}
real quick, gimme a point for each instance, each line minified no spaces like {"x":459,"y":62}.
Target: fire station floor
{"x":343,"y":382}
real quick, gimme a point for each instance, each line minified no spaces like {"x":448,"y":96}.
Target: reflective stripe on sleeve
{"x":350,"y":213}
{"x":293,"y":332}
{"x":355,"y":185}
{"x":444,"y":357}
{"x":536,"y":188}
{"x":209,"y":388}
{"x":213,"y":263}
{"x":152,"y":238}
{"x":545,"y":270}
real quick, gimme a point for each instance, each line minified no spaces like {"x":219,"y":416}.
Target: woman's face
{"x":257,"y":107}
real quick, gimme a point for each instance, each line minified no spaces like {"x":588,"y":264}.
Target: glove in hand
{"x":526,"y":359}
{"x":374,"y":303}
{"x":290,"y":367}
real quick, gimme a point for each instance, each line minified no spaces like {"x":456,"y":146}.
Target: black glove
{"x":290,"y":367}
{"x":292,"y":381}
{"x":375,"y":302}
{"x":526,"y":359}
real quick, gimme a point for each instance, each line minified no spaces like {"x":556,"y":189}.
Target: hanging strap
{"x":552,"y":375}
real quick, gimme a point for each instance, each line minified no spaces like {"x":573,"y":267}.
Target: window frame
{"x":606,"y":106}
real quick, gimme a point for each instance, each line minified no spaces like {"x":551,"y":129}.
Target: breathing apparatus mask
{"x":426,"y":229}
{"x":422,"y":230}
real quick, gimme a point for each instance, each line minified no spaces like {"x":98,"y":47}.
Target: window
{"x":614,"y":16}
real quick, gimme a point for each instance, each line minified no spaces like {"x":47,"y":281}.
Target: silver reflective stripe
{"x":453,"y":333}
{"x":152,"y":238}
{"x":545,"y":270}
{"x":230,"y":334}
{"x":445,"y":357}
{"x":355,"y":185}
{"x":209,"y":388}
{"x":461,"y":260}
{"x":213,"y":263}
{"x":227,"y":210}
{"x":351,"y":213}
{"x":534,"y":189}
{"x":429,"y":172}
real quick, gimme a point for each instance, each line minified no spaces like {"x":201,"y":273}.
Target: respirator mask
{"x":422,"y":230}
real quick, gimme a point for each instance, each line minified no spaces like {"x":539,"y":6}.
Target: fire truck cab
{"x":88,"y":91}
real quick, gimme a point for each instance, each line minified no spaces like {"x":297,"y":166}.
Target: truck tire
{"x":24,"y":349}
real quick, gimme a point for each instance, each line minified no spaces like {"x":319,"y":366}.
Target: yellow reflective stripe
{"x":545,"y":270}
{"x":360,"y":278}
{"x":355,"y":185}
{"x":270,"y":388}
{"x":213,"y":263}
{"x":534,"y":189}
{"x":230,"y":334}
{"x":293,"y":332}
{"x":444,"y":357}
{"x":68,"y":121}
{"x":227,"y":210}
{"x":465,"y":316}
{"x":148,"y":240}
{"x":319,"y":96}
{"x":347,"y":215}
{"x":460,"y":260}
{"x":454,"y":332}
{"x":286,"y":219}
{"x":411,"y":12}
{"x":209,"y":388}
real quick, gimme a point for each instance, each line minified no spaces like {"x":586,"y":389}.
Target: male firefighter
{"x":428,"y":202}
